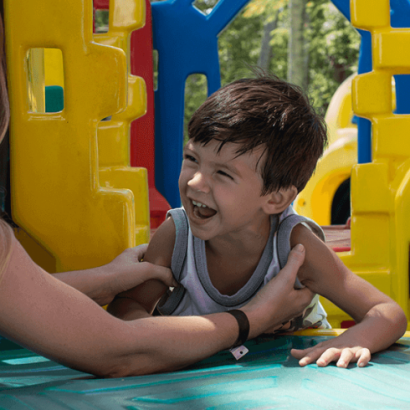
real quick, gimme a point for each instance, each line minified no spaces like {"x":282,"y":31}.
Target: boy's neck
{"x":249,"y":241}
{"x":232,"y":259}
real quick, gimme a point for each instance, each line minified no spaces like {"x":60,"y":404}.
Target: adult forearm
{"x":95,"y":283}
{"x":171,"y":343}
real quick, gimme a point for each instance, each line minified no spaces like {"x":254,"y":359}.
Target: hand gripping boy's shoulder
{"x":321,"y":268}
{"x":161,"y":245}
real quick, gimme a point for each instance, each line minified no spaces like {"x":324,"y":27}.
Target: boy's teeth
{"x":198,"y":204}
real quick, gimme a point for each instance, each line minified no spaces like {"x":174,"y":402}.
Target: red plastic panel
{"x":101,"y":4}
{"x":142,"y":129}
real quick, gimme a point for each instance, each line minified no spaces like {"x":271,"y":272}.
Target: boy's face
{"x":229,"y":186}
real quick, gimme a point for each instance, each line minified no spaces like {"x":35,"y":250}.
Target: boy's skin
{"x":235,"y":226}
{"x":235,"y":239}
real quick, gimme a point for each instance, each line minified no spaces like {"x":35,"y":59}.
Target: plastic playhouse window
{"x":402,"y":91}
{"x":196,"y":90}
{"x":101,"y":18}
{"x":45,"y":80}
{"x":206,"y":6}
{"x":155,"y":68}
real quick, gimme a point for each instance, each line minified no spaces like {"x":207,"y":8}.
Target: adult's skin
{"x":48,"y":316}
{"x":51,"y":314}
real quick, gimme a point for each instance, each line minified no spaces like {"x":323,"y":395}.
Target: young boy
{"x":253,"y":145}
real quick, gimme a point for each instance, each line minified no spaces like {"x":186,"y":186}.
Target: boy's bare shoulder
{"x":318,"y":257}
{"x":161,"y":246}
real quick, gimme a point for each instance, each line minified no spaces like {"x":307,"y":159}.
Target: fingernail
{"x":361,"y":364}
{"x":299,"y":247}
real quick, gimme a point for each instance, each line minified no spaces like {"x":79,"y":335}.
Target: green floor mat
{"x":266,"y":378}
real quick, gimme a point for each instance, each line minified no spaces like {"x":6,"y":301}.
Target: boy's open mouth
{"x":202,"y":211}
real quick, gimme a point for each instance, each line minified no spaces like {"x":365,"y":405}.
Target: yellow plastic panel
{"x":54,"y":70}
{"x":114,"y":135}
{"x":126,"y":14}
{"x":402,"y":223}
{"x":390,"y":136}
{"x":370,"y":192}
{"x":372,"y":93}
{"x":113,"y":147}
{"x":56,"y":195}
{"x":34,"y":61}
{"x":380,"y":224}
{"x":136,"y":181}
{"x":391,"y":50}
{"x":315,"y":201}
{"x":368,"y":15}
{"x":370,"y":242}
{"x":119,"y":40}
{"x":340,"y":112}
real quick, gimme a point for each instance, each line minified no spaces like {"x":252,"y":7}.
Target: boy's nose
{"x":199,"y":182}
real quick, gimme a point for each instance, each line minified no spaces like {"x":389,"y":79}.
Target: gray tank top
{"x":197,"y":296}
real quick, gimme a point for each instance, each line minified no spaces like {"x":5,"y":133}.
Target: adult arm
{"x":59,"y":322}
{"x":125,"y":272}
{"x":140,"y":301}
{"x":380,"y":320}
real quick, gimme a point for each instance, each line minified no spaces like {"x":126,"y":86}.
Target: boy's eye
{"x":190,"y":158}
{"x":224,"y":174}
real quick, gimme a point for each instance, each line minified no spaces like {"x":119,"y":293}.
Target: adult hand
{"x":126,"y":271}
{"x":129,"y":271}
{"x":279,"y":301}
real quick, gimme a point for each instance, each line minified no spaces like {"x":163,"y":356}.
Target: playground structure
{"x":326,"y":198}
{"x":76,"y":198}
{"x":379,"y":193}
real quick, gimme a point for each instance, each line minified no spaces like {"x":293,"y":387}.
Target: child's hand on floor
{"x":327,"y":352}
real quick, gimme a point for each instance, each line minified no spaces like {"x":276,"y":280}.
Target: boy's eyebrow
{"x":224,"y":165}
{"x":230,"y":168}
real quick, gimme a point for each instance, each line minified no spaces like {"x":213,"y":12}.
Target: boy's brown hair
{"x":265,"y":111}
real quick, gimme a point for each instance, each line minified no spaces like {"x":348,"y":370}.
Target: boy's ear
{"x":278,"y":201}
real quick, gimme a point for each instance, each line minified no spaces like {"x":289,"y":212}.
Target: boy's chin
{"x":200,"y":234}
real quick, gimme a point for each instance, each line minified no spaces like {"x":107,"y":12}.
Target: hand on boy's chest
{"x":230,"y":275}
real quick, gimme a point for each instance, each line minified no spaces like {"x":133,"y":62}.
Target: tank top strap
{"x":167,"y":305}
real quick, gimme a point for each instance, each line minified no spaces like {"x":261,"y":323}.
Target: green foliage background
{"x":332,"y":47}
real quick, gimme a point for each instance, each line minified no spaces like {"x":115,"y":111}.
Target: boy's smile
{"x":221,"y":192}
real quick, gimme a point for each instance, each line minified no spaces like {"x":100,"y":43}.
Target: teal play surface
{"x":266,"y":378}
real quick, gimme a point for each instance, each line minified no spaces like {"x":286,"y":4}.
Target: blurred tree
{"x":331,"y":45}
{"x":333,"y":50}
{"x":297,"y":62}
{"x":101,"y":21}
{"x":260,"y":36}
{"x":266,"y":48}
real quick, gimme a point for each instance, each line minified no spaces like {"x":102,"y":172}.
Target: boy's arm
{"x":380,"y":320}
{"x":140,"y":301}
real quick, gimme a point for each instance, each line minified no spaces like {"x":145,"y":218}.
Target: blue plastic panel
{"x":400,"y":17}
{"x":187,"y":43}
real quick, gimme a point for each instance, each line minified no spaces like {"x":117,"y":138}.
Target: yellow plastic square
{"x":369,"y":14}
{"x":391,"y":50}
{"x":369,"y":188}
{"x":391,"y":136}
{"x":372,"y":94}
